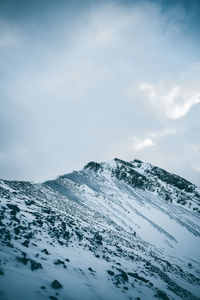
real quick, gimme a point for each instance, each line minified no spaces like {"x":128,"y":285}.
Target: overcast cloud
{"x":94,"y":80}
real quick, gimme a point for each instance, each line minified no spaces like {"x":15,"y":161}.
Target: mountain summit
{"x":114,"y":230}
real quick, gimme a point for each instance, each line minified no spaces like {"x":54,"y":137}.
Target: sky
{"x":94,"y":80}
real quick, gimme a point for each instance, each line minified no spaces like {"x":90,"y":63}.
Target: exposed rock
{"x":56,"y":284}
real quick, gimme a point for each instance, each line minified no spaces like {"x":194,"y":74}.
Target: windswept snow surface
{"x":115,"y":230}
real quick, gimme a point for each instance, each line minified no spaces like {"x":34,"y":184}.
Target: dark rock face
{"x":26,"y":243}
{"x":91,"y":270}
{"x":126,"y":172}
{"x":111,"y":273}
{"x":175,"y":180}
{"x":94,"y":166}
{"x":137,"y":161}
{"x":56,"y":284}
{"x":14,"y":208}
{"x":135,"y":275}
{"x":1,"y":272}
{"x":45,"y":251}
{"x":43,"y":287}
{"x":131,"y":177}
{"x":35,"y":265}
{"x":123,"y":162}
{"x":161,"y":295}
{"x":98,"y":238}
{"x":121,"y":277}
{"x":24,"y":260}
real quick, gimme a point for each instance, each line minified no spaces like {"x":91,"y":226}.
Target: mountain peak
{"x":145,"y":172}
{"x":94,"y":166}
{"x":144,"y":176}
{"x":116,"y":162}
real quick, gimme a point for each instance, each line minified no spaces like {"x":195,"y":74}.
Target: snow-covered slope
{"x":115,"y":230}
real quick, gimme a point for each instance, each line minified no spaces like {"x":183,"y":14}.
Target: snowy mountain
{"x":115,"y":230}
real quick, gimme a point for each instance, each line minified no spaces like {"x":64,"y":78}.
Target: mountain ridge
{"x":128,"y":227}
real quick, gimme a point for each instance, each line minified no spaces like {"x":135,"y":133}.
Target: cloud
{"x":140,"y":144}
{"x":151,"y":139}
{"x":173,"y":98}
{"x":174,"y":103}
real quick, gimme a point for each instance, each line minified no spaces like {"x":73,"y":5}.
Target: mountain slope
{"x":121,"y":230}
